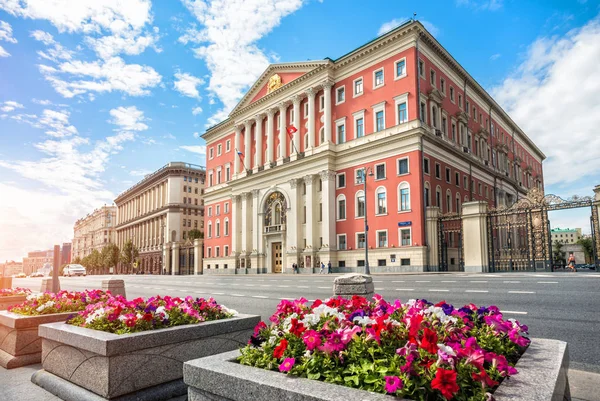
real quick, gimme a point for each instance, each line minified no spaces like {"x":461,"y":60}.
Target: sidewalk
{"x":16,"y":385}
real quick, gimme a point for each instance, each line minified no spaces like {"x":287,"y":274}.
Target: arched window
{"x":277,"y":213}
{"x":226,"y":228}
{"x":427,"y":195}
{"x":380,"y":201}
{"x":403,"y":196}
{"x":359,"y":208}
{"x":438,"y":198}
{"x":341,"y":207}
{"x":209,"y":230}
{"x":305,"y":141}
{"x":448,"y":201}
{"x":218,"y":228}
{"x":322,"y":135}
{"x":434,"y":116}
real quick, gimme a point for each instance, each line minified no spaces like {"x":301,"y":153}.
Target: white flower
{"x":44,"y":306}
{"x":438,"y":313}
{"x":96,"y":314}
{"x":446,"y":349}
{"x":31,"y":297}
{"x":311,"y":320}
{"x":363,"y":320}
{"x":227,"y":310}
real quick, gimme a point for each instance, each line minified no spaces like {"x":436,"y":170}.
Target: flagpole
{"x":292,"y":138}
{"x":240,"y":156}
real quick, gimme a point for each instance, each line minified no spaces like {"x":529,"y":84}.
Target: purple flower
{"x":393,"y":384}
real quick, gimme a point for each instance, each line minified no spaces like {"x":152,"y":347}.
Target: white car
{"x":74,"y":270}
{"x":37,"y":274}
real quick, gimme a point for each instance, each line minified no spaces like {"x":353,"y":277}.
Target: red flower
{"x":414,"y":325}
{"x":484,"y":379}
{"x":297,"y":328}
{"x":445,"y":382}
{"x":147,"y":317}
{"x":280,"y":349}
{"x":429,"y":341}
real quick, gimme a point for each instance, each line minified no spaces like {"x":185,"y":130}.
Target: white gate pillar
{"x":475,"y":236}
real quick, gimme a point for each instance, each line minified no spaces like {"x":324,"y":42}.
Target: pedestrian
{"x":322,"y":271}
{"x":329,"y":267}
{"x":295,"y":267}
{"x":571,"y":262}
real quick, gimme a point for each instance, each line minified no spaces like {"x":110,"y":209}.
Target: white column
{"x":235,"y":246}
{"x":475,"y":236}
{"x":255,"y":218}
{"x":297,"y":121}
{"x":293,"y":236}
{"x":245,"y":228}
{"x":175,"y":259}
{"x":311,"y":117}
{"x":327,"y":120}
{"x":197,"y":254}
{"x":236,"y":163}
{"x":310,"y":205}
{"x":248,"y":144}
{"x":329,"y":205}
{"x":166,"y":258}
{"x":259,"y":137}
{"x":270,"y":142}
{"x":282,"y":130}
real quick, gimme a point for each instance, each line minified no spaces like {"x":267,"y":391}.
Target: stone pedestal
{"x":5,"y":282}
{"x":432,"y":215}
{"x":116,"y":287}
{"x":353,"y":284}
{"x":475,"y":236}
{"x":47,"y":285}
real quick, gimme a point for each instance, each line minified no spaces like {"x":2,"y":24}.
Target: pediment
{"x":275,"y":77}
{"x":435,"y":95}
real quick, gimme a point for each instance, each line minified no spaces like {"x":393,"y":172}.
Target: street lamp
{"x":366,"y":171}
{"x":164,"y":261}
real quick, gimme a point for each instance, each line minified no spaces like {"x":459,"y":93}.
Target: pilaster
{"x":248,"y":145}
{"x":197,"y":257}
{"x":282,"y":132}
{"x":270,"y":141}
{"x":259,"y":140}
{"x":310,"y":205}
{"x":310,"y":92}
{"x":236,"y":163}
{"x":327,"y":85}
{"x":175,"y":270}
{"x":296,"y":100}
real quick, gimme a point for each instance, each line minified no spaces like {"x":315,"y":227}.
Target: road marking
{"x":547,"y":282}
{"x":302,"y":286}
{"x":323,"y":287}
{"x":378,"y":281}
{"x":423,"y":281}
{"x":405,"y":289}
{"x":448,"y":281}
{"x":237,"y":295}
{"x":397,"y":281}
{"x":476,"y":291}
{"x":511,"y":282}
{"x":287,"y":299}
{"x":521,"y":292}
{"x":283,"y":286}
{"x":512,"y":312}
{"x":250,"y":285}
{"x":436,"y":290}
{"x":380,"y":289}
{"x":260,"y":296}
{"x":477,"y":281}
{"x":217,"y":293}
{"x":265,"y":285}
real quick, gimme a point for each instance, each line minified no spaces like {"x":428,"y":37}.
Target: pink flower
{"x":333,"y":343}
{"x":393,"y":384}
{"x":347,"y":334}
{"x":311,"y":339}
{"x":287,"y":364}
{"x":518,"y":339}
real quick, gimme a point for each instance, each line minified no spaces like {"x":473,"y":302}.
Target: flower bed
{"x":12,"y":296}
{"x":120,"y":316}
{"x":415,"y":350}
{"x":20,"y":343}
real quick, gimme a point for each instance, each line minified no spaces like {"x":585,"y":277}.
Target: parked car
{"x":37,"y":274}
{"x":74,"y":270}
{"x":21,"y":275}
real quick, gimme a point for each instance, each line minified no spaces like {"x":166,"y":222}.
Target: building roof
{"x":564,"y":230}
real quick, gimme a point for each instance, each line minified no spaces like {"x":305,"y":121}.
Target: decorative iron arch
{"x":275,"y":209}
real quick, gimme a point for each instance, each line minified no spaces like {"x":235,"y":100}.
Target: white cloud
{"x":227,"y":43}
{"x":101,"y":76}
{"x":495,"y":57}
{"x":491,"y":5}
{"x":140,"y":173}
{"x":129,"y":42}
{"x":10,"y":105}
{"x":196,"y":110}
{"x":55,"y":123}
{"x":553,"y":96}
{"x":196,"y":135}
{"x":44,"y":37}
{"x":128,"y":118}
{"x":195,"y":149}
{"x":388,"y":26}
{"x":169,"y":136}
{"x":6,"y":35}
{"x":186,"y":84}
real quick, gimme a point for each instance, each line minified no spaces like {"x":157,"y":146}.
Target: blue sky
{"x":96,"y":93}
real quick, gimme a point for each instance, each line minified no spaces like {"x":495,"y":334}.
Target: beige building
{"x":566,"y":235}
{"x":36,"y":260}
{"x":157,"y":214}
{"x":11,"y":268}
{"x":94,"y":231}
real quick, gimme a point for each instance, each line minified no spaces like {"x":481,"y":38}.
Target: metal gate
{"x":519,"y":237}
{"x":450,"y":243}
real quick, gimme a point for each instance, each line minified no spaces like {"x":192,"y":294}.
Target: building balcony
{"x":275,"y":229}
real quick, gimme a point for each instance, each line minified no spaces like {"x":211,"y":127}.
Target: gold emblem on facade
{"x":274,"y":83}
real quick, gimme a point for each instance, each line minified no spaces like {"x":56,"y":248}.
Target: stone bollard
{"x":116,"y":287}
{"x":353,"y":284}
{"x":5,"y":282}
{"x":47,"y":285}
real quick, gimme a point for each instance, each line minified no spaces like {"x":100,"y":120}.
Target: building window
{"x":320,"y":211}
{"x":452,"y":94}
{"x":209,"y":254}
{"x":341,"y":242}
{"x":448,"y":202}
{"x":340,"y":95}
{"x":379,"y":121}
{"x":432,"y":77}
{"x":360,"y":204}
{"x":427,"y":195}
{"x":479,"y":189}
{"x":210,"y":153}
{"x":381,"y":205}
{"x":380,"y":171}
{"x":226,"y":207}
{"x":217,"y":251}
{"x":460,"y":101}
{"x":402,"y":113}
{"x":228,"y":145}
{"x":447,"y":175}
{"x":218,"y":229}
{"x":360,"y":127}
{"x":438,"y":172}
{"x":341,"y":180}
{"x":444,"y":125}
{"x":378,"y":78}
{"x":457,"y":179}
{"x":404,"y":197}
{"x":218,"y":210}
{"x":341,"y":207}
{"x":304,"y":216}
{"x":219,"y":149}
{"x":403,"y":166}
{"x":443,"y":85}
{"x":405,"y":237}
{"x":321,"y":104}
{"x":358,"y":87}
{"x":209,"y":233}
{"x":381,"y":239}
{"x":426,"y":165}
{"x":227,"y":173}
{"x":341,"y":133}
{"x":438,"y":198}
{"x":458,"y":203}
{"x":423,"y":112}
{"x":421,"y":68}
{"x":465,"y":182}
{"x":401,"y":68}
{"x":360,"y":240}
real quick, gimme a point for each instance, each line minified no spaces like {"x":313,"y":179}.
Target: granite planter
{"x":19,"y":341}
{"x":5,"y":302}
{"x":543,"y":370}
{"x":80,"y":363}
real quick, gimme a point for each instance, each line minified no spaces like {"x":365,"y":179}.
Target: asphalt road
{"x":561,"y":306}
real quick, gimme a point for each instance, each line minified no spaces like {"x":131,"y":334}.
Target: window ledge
{"x":381,"y":179}
{"x":400,"y":77}
{"x":402,"y":174}
{"x":405,"y":211}
{"x":380,"y":214}
{"x":340,"y":220}
{"x":359,"y":217}
{"x":358,"y":94}
{"x":379,"y":86}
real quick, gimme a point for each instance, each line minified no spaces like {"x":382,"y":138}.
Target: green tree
{"x":76,"y":261}
{"x":110,"y":256}
{"x":195,"y":234}
{"x":95,"y":261}
{"x":558,"y":254}
{"x":129,"y":255}
{"x":588,"y":249}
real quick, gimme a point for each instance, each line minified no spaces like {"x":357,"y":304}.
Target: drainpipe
{"x":422,"y":175}
{"x":514,"y":164}
{"x":492,"y":157}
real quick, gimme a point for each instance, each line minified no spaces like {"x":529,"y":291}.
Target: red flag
{"x":291,"y":129}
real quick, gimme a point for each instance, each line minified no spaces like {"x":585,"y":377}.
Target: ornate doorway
{"x":276,"y":257}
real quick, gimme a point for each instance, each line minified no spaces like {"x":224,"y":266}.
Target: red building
{"x":286,"y":168}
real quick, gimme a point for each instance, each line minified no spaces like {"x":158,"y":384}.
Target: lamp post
{"x":163,"y":269}
{"x":366,"y":171}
